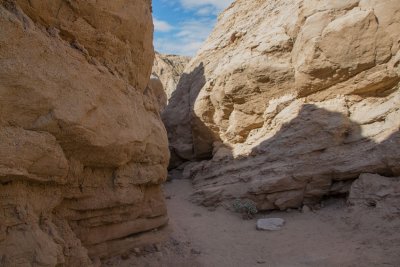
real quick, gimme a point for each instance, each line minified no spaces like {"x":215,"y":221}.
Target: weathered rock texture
{"x":169,"y":68}
{"x":376,"y":191}
{"x":289,"y":101}
{"x":156,"y":89}
{"x":82,"y":146}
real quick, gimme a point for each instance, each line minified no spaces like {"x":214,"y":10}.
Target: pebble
{"x":125,"y":256}
{"x":195,"y":251}
{"x":158,"y":247}
{"x":306,"y":209}
{"x":270,"y":224}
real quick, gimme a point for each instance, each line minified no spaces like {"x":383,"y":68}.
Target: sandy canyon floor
{"x":335,"y":235}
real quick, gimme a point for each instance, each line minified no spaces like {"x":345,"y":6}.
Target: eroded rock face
{"x":169,"y":68}
{"x":82,"y":147}
{"x":290,"y":101}
{"x":372,"y":190}
{"x":166,"y":75}
{"x":157,"y":91}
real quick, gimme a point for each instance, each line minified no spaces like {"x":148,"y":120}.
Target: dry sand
{"x":335,"y":235}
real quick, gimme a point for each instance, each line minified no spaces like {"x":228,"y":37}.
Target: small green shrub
{"x":246,"y":207}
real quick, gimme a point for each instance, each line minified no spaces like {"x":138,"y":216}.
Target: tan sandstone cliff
{"x":289,"y":101}
{"x":169,"y":68}
{"x":82,"y":147}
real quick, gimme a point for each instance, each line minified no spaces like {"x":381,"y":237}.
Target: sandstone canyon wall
{"x":166,"y":72}
{"x":290,"y":101}
{"x":169,"y":68}
{"x":82,"y":147}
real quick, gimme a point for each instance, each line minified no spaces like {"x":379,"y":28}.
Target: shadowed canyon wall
{"x":83,"y":150}
{"x":289,"y":101}
{"x":166,"y":72}
{"x":169,"y":68}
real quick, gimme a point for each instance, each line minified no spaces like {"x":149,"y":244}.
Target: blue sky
{"x":181,"y":26}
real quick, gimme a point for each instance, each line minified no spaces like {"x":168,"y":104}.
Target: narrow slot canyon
{"x":208,"y":133}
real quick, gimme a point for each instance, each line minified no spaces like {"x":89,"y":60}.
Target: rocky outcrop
{"x":166,"y":75}
{"x":156,"y":90}
{"x":169,"y":68}
{"x":372,"y":190}
{"x":82,"y":147}
{"x":289,"y":101}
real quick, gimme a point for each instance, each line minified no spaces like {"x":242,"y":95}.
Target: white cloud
{"x":205,"y":7}
{"x":168,"y":46}
{"x":206,"y":11}
{"x":219,"y":4}
{"x":162,"y":26}
{"x":188,"y":39}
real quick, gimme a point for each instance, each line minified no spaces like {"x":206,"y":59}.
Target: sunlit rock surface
{"x":82,"y":147}
{"x":289,"y":101}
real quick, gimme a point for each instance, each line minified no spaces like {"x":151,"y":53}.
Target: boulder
{"x":374,"y":190}
{"x":270,"y":224}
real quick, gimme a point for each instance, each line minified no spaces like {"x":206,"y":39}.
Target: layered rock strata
{"x":290,"y":101}
{"x":82,"y":147}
